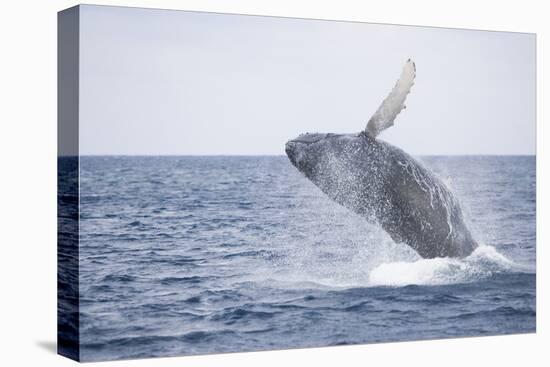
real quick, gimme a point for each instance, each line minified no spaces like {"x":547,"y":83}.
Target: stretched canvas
{"x":233,"y":183}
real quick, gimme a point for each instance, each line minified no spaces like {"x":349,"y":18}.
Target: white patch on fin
{"x":394,"y":102}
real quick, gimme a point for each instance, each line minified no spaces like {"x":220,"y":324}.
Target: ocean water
{"x":196,"y":255}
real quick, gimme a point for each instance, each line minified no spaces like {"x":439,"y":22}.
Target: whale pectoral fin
{"x":394,"y":102}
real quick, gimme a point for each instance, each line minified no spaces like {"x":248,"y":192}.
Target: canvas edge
{"x":68,"y":307}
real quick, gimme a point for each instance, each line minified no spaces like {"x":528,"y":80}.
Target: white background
{"x":28,"y":183}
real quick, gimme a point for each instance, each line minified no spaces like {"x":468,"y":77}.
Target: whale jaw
{"x":291,"y":151}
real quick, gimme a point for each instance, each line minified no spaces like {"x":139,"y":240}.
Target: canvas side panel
{"x":67,"y":183}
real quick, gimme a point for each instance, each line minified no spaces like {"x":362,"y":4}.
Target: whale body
{"x":384,"y":184}
{"x":387,"y":186}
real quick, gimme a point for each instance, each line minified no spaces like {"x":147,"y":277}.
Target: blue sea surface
{"x":194,"y":255}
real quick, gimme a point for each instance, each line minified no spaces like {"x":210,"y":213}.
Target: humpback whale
{"x":383,"y":183}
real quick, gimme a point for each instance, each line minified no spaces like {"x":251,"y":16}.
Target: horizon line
{"x":283,"y":155}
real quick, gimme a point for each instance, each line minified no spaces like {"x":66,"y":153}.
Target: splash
{"x":482,"y":263}
{"x":397,"y":266}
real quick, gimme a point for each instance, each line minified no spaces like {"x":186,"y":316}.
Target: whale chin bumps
{"x":383,"y":183}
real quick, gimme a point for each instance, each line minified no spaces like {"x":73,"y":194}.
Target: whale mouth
{"x":291,"y":150}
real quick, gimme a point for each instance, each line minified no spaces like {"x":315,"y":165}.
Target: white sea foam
{"x":482,"y":263}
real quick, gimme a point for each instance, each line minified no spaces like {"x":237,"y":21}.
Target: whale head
{"x":320,"y":156}
{"x":305,"y":149}
{"x":308,"y":152}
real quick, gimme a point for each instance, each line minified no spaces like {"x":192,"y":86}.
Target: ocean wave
{"x":232,"y":315}
{"x":503,"y":311}
{"x":484,"y":262}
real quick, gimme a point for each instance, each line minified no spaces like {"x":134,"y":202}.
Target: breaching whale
{"x":383,"y":183}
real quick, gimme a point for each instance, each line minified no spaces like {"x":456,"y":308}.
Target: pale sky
{"x":174,"y":82}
